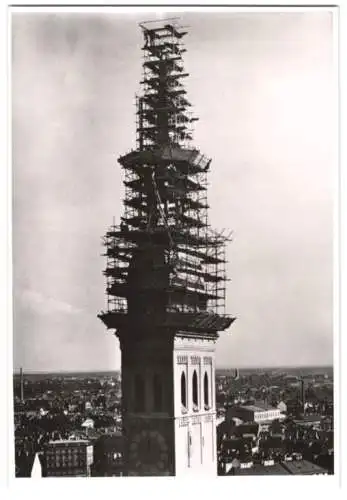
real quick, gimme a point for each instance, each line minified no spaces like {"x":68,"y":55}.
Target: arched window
{"x":183,"y":390}
{"x":139,"y":393}
{"x":195,"y":389}
{"x":206,"y":398}
{"x":157,"y":393}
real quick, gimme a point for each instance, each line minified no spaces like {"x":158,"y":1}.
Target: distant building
{"x":274,"y":469}
{"x":326,"y":461}
{"x":296,"y":467}
{"x":88,"y":406}
{"x":237,"y":465}
{"x":282,"y":407}
{"x":272,"y":447}
{"x":229,"y":428}
{"x":24,"y":460}
{"x":259,"y":412}
{"x":108,"y":456}
{"x":309,"y":420}
{"x":247,"y":430}
{"x":293,"y":407}
{"x":235,"y":448}
{"x":67,"y":458}
{"x":88,"y":423}
{"x":327,"y":423}
{"x":303,"y":467}
{"x":220,"y":419}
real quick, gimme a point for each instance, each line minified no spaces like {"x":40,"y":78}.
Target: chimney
{"x":21,"y":386}
{"x":303,"y":394}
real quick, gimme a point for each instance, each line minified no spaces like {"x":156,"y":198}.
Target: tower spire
{"x":165,"y":264}
{"x":166,"y":275}
{"x":163,"y":109}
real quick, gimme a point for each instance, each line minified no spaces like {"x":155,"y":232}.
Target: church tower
{"x":166,"y":277}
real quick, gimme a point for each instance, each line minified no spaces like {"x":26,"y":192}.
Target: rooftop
{"x":262,"y":470}
{"x":308,"y":418}
{"x":303,"y":467}
{"x":259,"y":406}
{"x":69,"y":441}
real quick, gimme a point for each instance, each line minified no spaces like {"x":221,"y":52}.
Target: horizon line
{"x":254,"y":367}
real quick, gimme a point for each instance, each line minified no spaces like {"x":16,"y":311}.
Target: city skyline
{"x":16,"y":372}
{"x":271,"y":178}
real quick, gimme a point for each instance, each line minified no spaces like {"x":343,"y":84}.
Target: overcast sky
{"x":263,"y":87}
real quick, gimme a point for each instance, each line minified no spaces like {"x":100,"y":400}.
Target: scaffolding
{"x":166,"y":267}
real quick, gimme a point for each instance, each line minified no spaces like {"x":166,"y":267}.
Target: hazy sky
{"x":263,"y":87}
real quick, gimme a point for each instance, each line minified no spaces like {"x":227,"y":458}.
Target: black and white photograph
{"x":174,"y":178}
